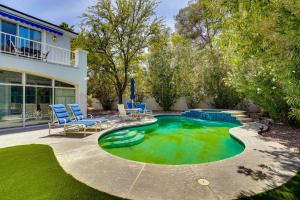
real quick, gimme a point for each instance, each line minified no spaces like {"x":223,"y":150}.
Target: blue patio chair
{"x":143,"y":109}
{"x":78,"y":115}
{"x":129,"y":105}
{"x":63,"y":119}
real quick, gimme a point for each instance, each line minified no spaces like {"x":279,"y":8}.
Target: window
{"x":8,"y":27}
{"x":10,"y":77}
{"x":30,"y":34}
{"x":35,"y":35}
{"x":8,"y":40}
{"x":11,"y":106}
{"x":36,"y":80}
{"x":24,"y":33}
{"x":29,"y":43}
{"x":62,"y":84}
{"x":37,"y":101}
{"x":64,"y":96}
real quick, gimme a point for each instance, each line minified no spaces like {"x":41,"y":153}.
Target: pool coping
{"x":263,"y":165}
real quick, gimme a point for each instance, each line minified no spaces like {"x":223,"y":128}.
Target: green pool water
{"x":176,"y":140}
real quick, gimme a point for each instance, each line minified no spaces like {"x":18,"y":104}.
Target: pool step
{"x":138,"y":138}
{"x":116,"y":137}
{"x":235,"y":112}
{"x":245,"y":119}
{"x":242,"y":117}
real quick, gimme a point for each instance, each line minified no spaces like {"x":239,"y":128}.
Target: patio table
{"x":135,"y":112}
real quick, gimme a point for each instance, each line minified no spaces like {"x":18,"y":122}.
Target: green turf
{"x":288,"y":191}
{"x":32,"y":172}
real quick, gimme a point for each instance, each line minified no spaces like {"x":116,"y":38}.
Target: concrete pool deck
{"x":263,"y":165}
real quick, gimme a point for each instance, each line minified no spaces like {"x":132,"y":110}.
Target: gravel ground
{"x":286,"y":135}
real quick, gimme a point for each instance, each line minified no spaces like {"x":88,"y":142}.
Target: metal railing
{"x":20,"y":46}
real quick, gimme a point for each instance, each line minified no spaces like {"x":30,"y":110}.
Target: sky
{"x":57,"y":11}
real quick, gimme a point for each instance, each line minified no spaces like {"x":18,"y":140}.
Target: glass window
{"x":24,"y":33}
{"x":8,"y":27}
{"x":37,"y":80}
{"x":37,"y":105}
{"x":11,"y":106}
{"x":64,"y":96}
{"x":62,"y":84}
{"x":35,"y":35}
{"x":10,"y":77}
{"x":8,"y":41}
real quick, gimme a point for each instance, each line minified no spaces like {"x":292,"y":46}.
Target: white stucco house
{"x":37,"y":68}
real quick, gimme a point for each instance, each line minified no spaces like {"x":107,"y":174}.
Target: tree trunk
{"x":120,"y":96}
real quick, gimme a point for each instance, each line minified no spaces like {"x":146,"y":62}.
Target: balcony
{"x":23,"y":47}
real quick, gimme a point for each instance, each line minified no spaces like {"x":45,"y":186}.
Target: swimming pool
{"x":173,"y":140}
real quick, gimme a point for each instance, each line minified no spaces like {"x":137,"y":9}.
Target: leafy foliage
{"x":201,"y":22}
{"x":188,"y":74}
{"x":161,"y":72}
{"x":67,"y":26}
{"x":118,"y":31}
{"x":260,"y":40}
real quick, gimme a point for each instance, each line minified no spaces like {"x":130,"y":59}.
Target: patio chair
{"x":45,"y":55}
{"x":63,"y":119}
{"x":129,"y":105}
{"x":123,"y":114}
{"x":143,"y":109}
{"x":13,"y":47}
{"x":78,"y":115}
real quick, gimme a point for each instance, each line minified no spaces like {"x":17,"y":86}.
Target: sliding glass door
{"x":37,"y":101}
{"x":32,"y":108}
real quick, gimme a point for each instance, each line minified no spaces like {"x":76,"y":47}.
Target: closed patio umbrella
{"x":132,"y":94}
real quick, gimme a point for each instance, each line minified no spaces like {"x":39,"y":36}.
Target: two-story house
{"x":37,"y":68}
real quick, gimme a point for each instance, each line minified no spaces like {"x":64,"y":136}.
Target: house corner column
{"x":81,"y":89}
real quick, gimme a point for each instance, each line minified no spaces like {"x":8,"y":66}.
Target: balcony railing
{"x":23,"y":47}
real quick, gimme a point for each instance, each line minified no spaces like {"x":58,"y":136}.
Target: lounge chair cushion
{"x":61,"y":113}
{"x":99,"y":119}
{"x":79,"y":116}
{"x":86,"y":123}
{"x":76,"y":110}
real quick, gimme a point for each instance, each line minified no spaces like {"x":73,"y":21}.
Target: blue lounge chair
{"x":63,"y":119}
{"x":78,"y":115}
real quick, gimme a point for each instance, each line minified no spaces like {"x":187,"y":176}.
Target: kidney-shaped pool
{"x":173,"y":140}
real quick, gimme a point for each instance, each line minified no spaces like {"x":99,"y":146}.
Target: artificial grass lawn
{"x":32,"y":172}
{"x":288,"y":191}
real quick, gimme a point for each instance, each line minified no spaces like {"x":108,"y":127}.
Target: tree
{"x":101,"y":88}
{"x":100,"y":84}
{"x":66,"y":26}
{"x":161,"y":75}
{"x":200,"y":21}
{"x":119,"y":31}
{"x":188,"y":73}
{"x":260,"y":40}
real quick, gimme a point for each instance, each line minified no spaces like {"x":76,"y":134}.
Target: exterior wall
{"x":61,"y":41}
{"x":75,"y":75}
{"x":180,"y":104}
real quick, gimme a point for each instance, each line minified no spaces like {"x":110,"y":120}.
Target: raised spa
{"x":173,"y":140}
